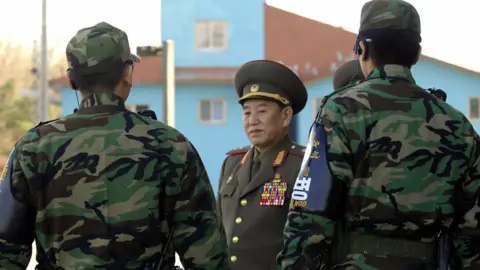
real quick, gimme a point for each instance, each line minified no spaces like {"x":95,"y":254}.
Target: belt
{"x":372,"y":244}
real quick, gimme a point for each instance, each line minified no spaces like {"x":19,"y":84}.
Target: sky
{"x":447,"y":25}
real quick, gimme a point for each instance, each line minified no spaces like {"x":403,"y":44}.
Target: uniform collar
{"x":395,"y":71}
{"x":273,"y":151}
{"x":101,"y":102}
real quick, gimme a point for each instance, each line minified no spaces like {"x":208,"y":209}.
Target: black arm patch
{"x":16,"y":222}
{"x":315,"y":189}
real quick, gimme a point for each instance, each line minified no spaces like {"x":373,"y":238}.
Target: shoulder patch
{"x":6,"y":168}
{"x":239,"y":151}
{"x":297,"y":150}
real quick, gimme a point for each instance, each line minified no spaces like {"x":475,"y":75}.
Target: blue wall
{"x":213,"y":140}
{"x":458,"y":85}
{"x":245,"y":29}
{"x":140,"y":94}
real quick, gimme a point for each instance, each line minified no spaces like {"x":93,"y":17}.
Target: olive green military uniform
{"x":255,"y":188}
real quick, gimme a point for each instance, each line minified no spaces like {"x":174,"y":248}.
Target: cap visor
{"x":135,"y":58}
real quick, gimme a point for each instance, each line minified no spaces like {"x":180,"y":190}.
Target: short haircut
{"x":107,"y":80}
{"x":391,"y":47}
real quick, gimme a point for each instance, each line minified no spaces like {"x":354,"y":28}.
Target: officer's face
{"x":265,"y":122}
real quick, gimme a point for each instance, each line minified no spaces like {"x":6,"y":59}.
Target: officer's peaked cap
{"x":265,"y":79}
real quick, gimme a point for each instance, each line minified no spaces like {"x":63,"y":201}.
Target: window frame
{"x":210,"y":34}
{"x":211,"y":103}
{"x":134,"y":106}
{"x":469,"y":108}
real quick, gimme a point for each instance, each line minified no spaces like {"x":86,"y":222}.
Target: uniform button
{"x":235,"y":239}
{"x":233,"y":258}
{"x":238,"y":220}
{"x":243,"y":202}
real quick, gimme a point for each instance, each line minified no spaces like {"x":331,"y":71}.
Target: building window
{"x":474,"y":108}
{"x":137,"y":107}
{"x":316,"y":103}
{"x":212,"y":111}
{"x":211,"y":35}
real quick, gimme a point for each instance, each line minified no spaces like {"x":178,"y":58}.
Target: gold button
{"x":238,"y":220}
{"x":235,"y":239}
{"x":233,"y":258}
{"x":243,"y":202}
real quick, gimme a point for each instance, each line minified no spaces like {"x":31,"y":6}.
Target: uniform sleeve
{"x":17,"y":217}
{"x":199,"y":238}
{"x":467,"y":228}
{"x":310,"y":227}
{"x":219,"y":198}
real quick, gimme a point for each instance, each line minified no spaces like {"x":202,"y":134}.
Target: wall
{"x":245,"y":29}
{"x":214,"y":140}
{"x":141,"y":94}
{"x":211,"y":140}
{"x":458,"y":85}
{"x":306,"y":116}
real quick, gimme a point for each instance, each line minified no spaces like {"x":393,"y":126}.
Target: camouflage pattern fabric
{"x":104,"y":182}
{"x":410,"y":164}
{"x":95,"y":49}
{"x":389,"y":14}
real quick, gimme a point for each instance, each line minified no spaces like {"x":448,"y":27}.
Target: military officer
{"x":256,"y":181}
{"x":348,"y":73}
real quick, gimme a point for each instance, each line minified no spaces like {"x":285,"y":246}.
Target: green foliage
{"x":16,"y":114}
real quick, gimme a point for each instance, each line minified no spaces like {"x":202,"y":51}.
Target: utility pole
{"x":43,"y":98}
{"x":168,"y":82}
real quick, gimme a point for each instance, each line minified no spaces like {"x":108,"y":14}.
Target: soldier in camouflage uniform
{"x":396,"y":165}
{"x":256,"y":181}
{"x":348,"y":73}
{"x":102,"y":188}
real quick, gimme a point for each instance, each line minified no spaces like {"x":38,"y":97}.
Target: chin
{"x":257,"y":141}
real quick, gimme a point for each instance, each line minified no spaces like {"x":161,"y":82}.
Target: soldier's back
{"x":105,"y":178}
{"x":410,"y":152}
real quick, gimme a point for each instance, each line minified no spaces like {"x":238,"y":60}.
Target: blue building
{"x":214,"y":37}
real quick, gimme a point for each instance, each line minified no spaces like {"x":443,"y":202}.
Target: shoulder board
{"x":325,"y":98}
{"x":239,"y":151}
{"x":297,"y":150}
{"x":44,"y":123}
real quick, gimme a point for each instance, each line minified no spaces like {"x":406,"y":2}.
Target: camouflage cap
{"x":389,"y":14}
{"x":96,"y":49}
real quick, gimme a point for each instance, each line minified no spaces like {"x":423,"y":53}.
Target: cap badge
{"x":254,"y":88}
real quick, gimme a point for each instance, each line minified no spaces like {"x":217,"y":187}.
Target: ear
{"x":363,"y":56}
{"x":70,"y":81}
{"x":287,"y":114}
{"x":418,"y":54}
{"x":128,"y":74}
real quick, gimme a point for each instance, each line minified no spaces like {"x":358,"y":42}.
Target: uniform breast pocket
{"x":227,"y":197}
{"x":227,"y":190}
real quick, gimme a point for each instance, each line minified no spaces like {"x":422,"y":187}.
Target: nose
{"x":253,"y":120}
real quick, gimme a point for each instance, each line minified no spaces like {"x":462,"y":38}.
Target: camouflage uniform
{"x":100,"y":188}
{"x":396,"y":166}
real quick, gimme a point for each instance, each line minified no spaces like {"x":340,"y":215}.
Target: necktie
{"x":255,"y":168}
